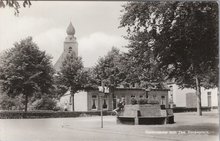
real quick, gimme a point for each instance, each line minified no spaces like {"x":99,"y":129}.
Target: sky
{"x":96,"y":24}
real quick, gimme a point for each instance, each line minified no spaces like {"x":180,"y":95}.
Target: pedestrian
{"x":120,"y":106}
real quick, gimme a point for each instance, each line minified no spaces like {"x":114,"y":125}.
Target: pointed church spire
{"x":70,"y":29}
{"x":70,"y":47}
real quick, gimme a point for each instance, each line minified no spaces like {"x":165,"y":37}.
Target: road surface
{"x":188,"y":127}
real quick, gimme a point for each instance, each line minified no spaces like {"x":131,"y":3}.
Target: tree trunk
{"x":26,"y":103}
{"x":113,"y":98}
{"x":72,"y":95}
{"x":218,"y":97}
{"x":72,"y":101}
{"x":198,"y":94}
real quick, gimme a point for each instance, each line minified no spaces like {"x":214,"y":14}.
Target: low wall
{"x":145,"y":110}
{"x":47,"y":114}
{"x":145,"y":114}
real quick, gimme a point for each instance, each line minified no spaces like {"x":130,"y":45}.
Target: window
{"x":70,"y":100}
{"x":104,"y":106}
{"x":209,"y":98}
{"x":70,"y":49}
{"x":163,"y":100}
{"x":146,"y":95}
{"x":141,"y":96}
{"x":94,"y":101}
{"x":94,"y":96}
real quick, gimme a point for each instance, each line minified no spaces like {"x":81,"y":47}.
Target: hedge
{"x":62,"y":114}
{"x":184,"y":109}
{"x":47,"y":114}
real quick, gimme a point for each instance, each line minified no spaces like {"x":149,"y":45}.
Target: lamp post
{"x":101,"y":112}
{"x":102,"y":93}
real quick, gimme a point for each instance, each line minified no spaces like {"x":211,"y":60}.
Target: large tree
{"x":25,"y":70}
{"x":59,"y":88}
{"x":109,"y":71}
{"x":140,"y":67}
{"x":73,"y":75}
{"x":182,"y":36}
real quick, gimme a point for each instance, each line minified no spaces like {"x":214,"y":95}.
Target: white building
{"x":187,"y":97}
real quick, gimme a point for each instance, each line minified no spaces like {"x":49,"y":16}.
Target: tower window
{"x":70,"y":49}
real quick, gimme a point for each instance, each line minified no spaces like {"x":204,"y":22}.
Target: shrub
{"x":45,"y":103}
{"x":6,"y":103}
{"x":185,"y":109}
{"x":9,"y":103}
{"x":153,"y":102}
{"x":142,"y":101}
{"x":133,"y":101}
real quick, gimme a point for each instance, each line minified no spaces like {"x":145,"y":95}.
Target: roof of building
{"x":70,"y":29}
{"x":130,"y":89}
{"x":159,"y":90}
{"x":142,"y":89}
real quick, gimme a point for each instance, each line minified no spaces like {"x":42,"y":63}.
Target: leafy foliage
{"x":180,"y":37}
{"x":8,"y":103}
{"x":109,"y":69}
{"x":59,"y":88}
{"x":45,"y":103}
{"x":14,"y":4}
{"x":133,"y":101}
{"x":141,"y":72}
{"x":141,"y":59}
{"x":26,"y":70}
{"x":90,"y":82}
{"x":73,"y":75}
{"x":142,"y":101}
{"x":152,"y":101}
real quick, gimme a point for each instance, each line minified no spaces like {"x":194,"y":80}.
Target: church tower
{"x":70,"y":46}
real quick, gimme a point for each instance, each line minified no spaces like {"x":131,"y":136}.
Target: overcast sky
{"x":96,"y":25}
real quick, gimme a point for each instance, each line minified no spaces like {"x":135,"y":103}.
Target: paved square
{"x":188,"y":127}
